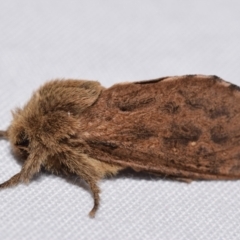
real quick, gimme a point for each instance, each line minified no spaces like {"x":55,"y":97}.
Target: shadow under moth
{"x":184,"y":127}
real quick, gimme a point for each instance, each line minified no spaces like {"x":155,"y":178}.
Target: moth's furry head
{"x":18,"y":136}
{"x":51,"y":115}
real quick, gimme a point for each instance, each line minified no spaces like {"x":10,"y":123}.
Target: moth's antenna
{"x":3,"y":134}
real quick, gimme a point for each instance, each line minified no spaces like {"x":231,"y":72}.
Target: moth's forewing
{"x":185,"y":126}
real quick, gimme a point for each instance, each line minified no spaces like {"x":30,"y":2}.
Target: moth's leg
{"x":89,"y":174}
{"x":30,"y":167}
{"x":92,"y":182}
{"x":95,"y":191}
{"x":12,"y":181}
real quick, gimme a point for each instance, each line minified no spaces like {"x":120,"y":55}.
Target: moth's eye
{"x":22,"y":140}
{"x":23,"y":143}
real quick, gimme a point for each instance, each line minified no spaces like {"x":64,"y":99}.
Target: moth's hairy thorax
{"x":50,"y":123}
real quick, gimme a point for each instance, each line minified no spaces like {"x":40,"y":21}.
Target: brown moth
{"x":185,"y":128}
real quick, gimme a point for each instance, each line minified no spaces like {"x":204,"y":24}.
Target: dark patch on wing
{"x":188,"y":131}
{"x":234,"y":87}
{"x":192,"y":101}
{"x":237,"y":156}
{"x":108,"y":119}
{"x":216,"y":77}
{"x":215,"y":163}
{"x":151,"y":81}
{"x":191,"y":75}
{"x":218,"y":112}
{"x":218,"y":134}
{"x":143,"y":132}
{"x":196,"y":103}
{"x":182,"y":134}
{"x":104,"y":145}
{"x":139,"y":132}
{"x":235,"y":169}
{"x":108,"y":144}
{"x":170,"y":108}
{"x":134,"y":104}
{"x":202,"y":150}
{"x":173,"y":142}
